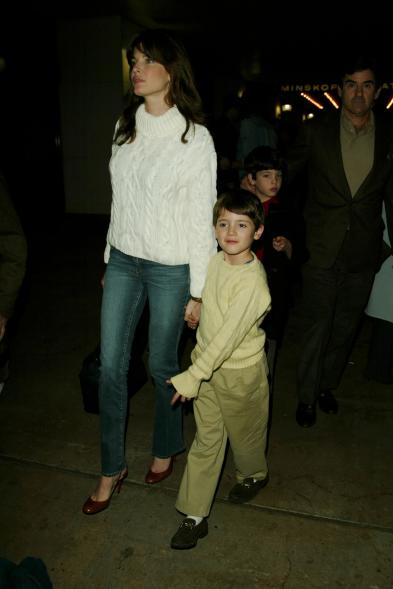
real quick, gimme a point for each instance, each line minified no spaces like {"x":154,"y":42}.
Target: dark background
{"x":254,"y":40}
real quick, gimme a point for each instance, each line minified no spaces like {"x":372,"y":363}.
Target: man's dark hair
{"x":240,"y":202}
{"x":358,"y":63}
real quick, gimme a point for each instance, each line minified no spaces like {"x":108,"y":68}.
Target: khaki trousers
{"x":232,"y":406}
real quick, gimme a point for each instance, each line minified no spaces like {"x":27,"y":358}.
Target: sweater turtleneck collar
{"x":169,"y":123}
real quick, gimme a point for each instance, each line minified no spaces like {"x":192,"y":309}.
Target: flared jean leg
{"x":123,"y":301}
{"x":168,"y":292}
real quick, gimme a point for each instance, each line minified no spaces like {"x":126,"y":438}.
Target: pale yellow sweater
{"x":235,"y":299}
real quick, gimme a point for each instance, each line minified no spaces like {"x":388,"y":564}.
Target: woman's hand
{"x":192,"y":313}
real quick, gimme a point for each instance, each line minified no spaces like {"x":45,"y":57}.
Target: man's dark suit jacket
{"x":332,"y":215}
{"x":13,"y":252}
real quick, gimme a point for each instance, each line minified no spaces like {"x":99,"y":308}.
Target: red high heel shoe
{"x":156,"y":477}
{"x":92,"y":507}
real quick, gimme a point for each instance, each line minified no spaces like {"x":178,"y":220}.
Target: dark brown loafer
{"x":246,"y":490}
{"x":189,"y":533}
{"x":327,"y":402}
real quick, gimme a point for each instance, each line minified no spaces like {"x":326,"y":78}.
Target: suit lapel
{"x":333,"y":144}
{"x":381,"y":143}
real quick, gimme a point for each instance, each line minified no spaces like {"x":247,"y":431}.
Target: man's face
{"x":358,"y":93}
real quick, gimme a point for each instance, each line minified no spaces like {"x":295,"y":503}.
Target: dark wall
{"x":29,"y":119}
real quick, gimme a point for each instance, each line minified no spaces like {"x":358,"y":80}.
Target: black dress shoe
{"x":327,"y":402}
{"x":247,"y":489}
{"x":189,"y":533}
{"x":305,"y":415}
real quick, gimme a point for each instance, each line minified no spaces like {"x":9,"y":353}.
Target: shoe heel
{"x":120,"y":482}
{"x":91,"y":507}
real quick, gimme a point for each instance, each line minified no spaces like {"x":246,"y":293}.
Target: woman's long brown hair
{"x":159,"y":45}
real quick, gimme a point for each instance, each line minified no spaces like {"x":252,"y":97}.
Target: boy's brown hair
{"x":240,"y":202}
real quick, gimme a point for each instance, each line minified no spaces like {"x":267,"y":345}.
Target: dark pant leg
{"x":317,"y":312}
{"x":353,"y":291}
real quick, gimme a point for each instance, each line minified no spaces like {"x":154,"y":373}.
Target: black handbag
{"x":89,"y":374}
{"x":89,"y":377}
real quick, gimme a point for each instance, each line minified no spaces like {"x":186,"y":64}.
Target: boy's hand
{"x":282,"y":244}
{"x":176,"y":395}
{"x":192,"y":313}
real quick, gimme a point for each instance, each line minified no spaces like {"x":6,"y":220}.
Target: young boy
{"x":265,"y":171}
{"x":228,"y":371}
{"x":279,"y":248}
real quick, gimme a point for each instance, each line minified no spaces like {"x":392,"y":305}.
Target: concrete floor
{"x":324,"y":521}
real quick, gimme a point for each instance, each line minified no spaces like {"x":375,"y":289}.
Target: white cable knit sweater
{"x":163,"y":193}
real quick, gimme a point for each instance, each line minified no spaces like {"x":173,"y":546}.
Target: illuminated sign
{"x":308,"y":87}
{"x":321,"y":87}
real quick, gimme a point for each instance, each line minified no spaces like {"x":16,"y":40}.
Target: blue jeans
{"x":128,"y":283}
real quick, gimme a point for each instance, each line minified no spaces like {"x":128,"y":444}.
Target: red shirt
{"x":258,"y":248}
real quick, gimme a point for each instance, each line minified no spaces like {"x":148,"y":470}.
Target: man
{"x":13,"y":252}
{"x":350,"y":171}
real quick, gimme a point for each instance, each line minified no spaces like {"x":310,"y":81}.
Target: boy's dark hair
{"x":262,"y":158}
{"x":240,"y":202}
{"x":353,"y":63}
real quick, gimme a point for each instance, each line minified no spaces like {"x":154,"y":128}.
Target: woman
{"x":160,"y":239}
